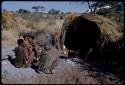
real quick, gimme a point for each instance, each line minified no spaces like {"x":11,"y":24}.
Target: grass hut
{"x":108,"y":28}
{"x":85,"y":31}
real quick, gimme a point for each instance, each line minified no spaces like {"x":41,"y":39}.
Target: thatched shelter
{"x":84,"y":31}
{"x":107,"y":27}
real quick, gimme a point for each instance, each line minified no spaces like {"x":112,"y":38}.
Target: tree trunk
{"x":89,"y":6}
{"x":96,"y":6}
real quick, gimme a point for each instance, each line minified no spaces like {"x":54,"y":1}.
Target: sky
{"x":64,"y":6}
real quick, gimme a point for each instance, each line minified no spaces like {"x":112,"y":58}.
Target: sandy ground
{"x":68,"y":71}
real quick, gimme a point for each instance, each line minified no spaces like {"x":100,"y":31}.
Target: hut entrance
{"x":81,"y":34}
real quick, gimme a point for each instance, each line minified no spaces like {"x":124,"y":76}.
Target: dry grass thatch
{"x":108,"y":28}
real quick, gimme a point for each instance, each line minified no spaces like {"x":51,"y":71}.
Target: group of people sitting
{"x":27,"y":52}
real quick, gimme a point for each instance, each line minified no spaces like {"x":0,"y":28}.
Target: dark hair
{"x":27,"y":35}
{"x":20,"y":41}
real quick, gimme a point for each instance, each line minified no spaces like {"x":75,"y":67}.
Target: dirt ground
{"x":68,"y":71}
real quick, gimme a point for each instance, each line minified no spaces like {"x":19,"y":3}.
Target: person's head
{"x":20,"y":41}
{"x":47,"y":46}
{"x":28,"y":38}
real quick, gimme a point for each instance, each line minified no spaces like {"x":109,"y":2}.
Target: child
{"x":21,"y":54}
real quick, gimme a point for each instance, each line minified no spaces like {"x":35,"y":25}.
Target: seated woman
{"x":32,"y":47}
{"x":48,"y":60}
